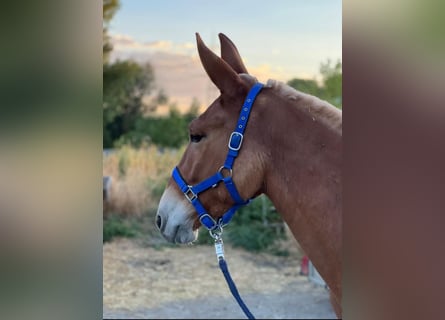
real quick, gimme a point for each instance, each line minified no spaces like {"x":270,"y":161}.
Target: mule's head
{"x":207,"y":149}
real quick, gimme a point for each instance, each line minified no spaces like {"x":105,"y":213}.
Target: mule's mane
{"x":316,"y":108}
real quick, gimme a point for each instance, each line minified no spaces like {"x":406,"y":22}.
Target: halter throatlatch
{"x":224,"y":174}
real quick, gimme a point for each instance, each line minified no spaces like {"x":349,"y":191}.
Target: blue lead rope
{"x":219,"y":248}
{"x":233,"y":289}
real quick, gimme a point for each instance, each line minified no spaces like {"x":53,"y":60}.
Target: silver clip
{"x":219,"y":245}
{"x":219,"y":249}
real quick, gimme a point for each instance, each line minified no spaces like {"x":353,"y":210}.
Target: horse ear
{"x":221,"y":74}
{"x":230,"y":54}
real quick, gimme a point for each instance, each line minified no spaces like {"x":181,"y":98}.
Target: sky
{"x":281,"y":39}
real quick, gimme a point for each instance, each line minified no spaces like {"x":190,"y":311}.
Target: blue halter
{"x":235,"y":143}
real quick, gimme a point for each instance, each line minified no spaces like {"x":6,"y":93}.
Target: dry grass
{"x":136,"y":276}
{"x":138,"y":178}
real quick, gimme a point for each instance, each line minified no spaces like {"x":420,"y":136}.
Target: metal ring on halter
{"x":220,"y":170}
{"x":217,"y":232}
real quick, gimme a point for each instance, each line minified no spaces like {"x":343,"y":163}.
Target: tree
{"x":332,"y":82}
{"x":124,"y":85}
{"x":306,"y":86}
{"x":109,"y":8}
{"x":170,"y":131}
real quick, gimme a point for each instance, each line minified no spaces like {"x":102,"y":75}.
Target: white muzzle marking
{"x":175,"y":217}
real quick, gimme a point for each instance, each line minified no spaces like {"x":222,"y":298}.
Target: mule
{"x":291,"y":151}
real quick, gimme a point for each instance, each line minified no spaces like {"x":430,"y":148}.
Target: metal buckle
{"x":232,"y":137}
{"x":189,"y":194}
{"x":207,"y":215}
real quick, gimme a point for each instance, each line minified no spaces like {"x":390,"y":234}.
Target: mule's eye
{"x":196,"y":137}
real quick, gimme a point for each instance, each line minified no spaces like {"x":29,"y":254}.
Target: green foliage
{"x":254,"y":236}
{"x":332,"y":82}
{"x":118,"y":226}
{"x":170,"y":131}
{"x":255,"y":227}
{"x":306,"y":86}
{"x":124,"y":85}
{"x":331,"y":87}
{"x":109,"y":8}
{"x":204,"y":238}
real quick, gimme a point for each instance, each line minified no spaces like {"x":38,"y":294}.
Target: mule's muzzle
{"x":175,"y":217}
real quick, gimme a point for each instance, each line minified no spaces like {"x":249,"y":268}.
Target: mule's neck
{"x":303,"y":175}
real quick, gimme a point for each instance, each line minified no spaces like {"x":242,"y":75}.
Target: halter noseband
{"x":234,"y":145}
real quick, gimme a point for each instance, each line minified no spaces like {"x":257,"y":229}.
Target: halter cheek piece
{"x":224,"y":174}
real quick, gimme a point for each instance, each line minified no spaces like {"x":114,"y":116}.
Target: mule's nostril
{"x":158,"y":221}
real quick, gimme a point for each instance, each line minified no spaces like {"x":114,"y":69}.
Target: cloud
{"x":161,"y":45}
{"x":122,"y":42}
{"x":276,"y":52}
{"x":178,"y":70}
{"x":264,"y":72}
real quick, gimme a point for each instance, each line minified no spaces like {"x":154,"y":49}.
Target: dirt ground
{"x":142,"y":282}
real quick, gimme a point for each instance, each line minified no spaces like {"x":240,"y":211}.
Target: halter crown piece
{"x":234,"y":145}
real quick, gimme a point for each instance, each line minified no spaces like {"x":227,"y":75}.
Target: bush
{"x":256,"y":227}
{"x":117,"y":226}
{"x":139,"y":177}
